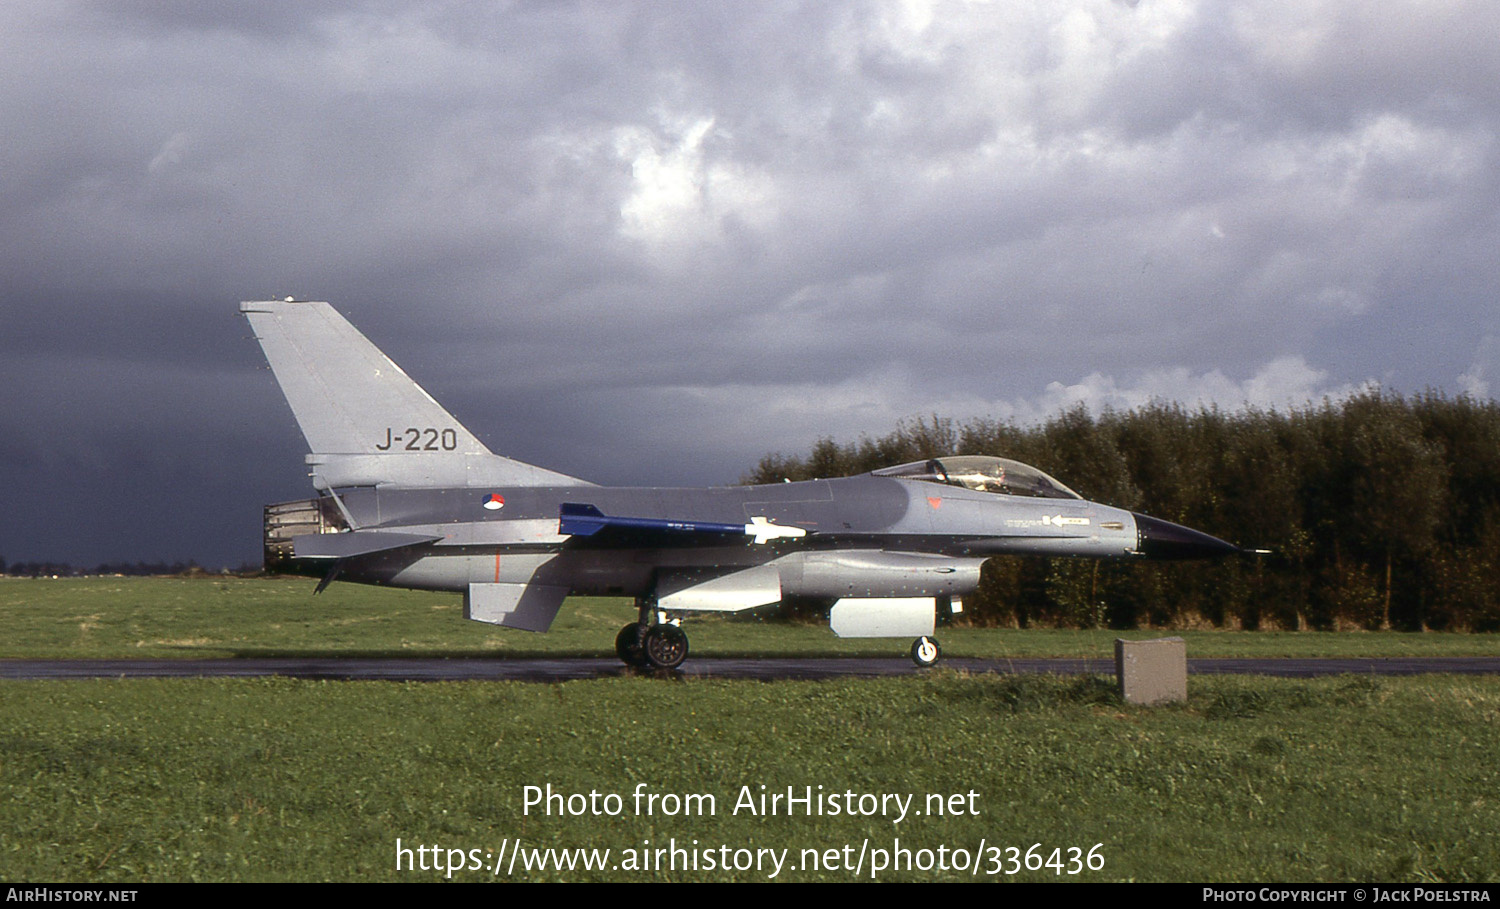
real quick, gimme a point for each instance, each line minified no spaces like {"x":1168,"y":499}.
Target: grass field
{"x":229,"y":617}
{"x":1253,"y":779}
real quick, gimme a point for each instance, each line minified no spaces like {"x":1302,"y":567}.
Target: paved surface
{"x":546,"y":670}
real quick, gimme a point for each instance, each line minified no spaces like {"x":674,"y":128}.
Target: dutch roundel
{"x":494,"y":501}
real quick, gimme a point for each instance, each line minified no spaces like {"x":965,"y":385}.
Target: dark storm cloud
{"x":652,"y":242}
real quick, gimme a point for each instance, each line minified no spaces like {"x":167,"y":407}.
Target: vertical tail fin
{"x":366,"y":422}
{"x":348,"y":396}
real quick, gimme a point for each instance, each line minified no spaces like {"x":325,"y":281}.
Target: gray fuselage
{"x":861,"y":519}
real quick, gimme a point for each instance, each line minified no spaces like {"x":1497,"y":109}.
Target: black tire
{"x":666,"y":646}
{"x":925,"y":651}
{"x":628,"y":645}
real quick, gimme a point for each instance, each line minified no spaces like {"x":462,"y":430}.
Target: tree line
{"x":1381,"y":511}
{"x":129,"y":569}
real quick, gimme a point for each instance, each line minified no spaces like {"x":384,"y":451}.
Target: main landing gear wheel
{"x":925,"y":651}
{"x":666,"y":646}
{"x":628,"y":645}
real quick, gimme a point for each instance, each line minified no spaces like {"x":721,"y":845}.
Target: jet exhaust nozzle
{"x":1158,"y":539}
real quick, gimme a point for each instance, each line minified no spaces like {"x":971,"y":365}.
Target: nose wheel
{"x":925,"y":651}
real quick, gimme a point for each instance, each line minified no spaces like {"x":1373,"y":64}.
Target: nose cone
{"x":1158,"y":539}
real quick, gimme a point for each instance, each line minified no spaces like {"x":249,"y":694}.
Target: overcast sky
{"x":648,"y":243}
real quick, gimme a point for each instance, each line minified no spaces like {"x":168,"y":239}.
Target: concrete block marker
{"x":1151,"y":672}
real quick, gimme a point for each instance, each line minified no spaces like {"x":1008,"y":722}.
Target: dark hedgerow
{"x":1380,"y":511}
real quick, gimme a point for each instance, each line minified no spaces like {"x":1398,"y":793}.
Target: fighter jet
{"x":408,"y":497}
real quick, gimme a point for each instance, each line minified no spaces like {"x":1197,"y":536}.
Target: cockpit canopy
{"x":984,"y":473}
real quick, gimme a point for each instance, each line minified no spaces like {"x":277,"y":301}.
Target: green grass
{"x":1253,"y":780}
{"x":228,"y":617}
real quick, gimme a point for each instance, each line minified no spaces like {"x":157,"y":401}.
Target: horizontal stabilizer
{"x":358,"y":543}
{"x":583,"y":520}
